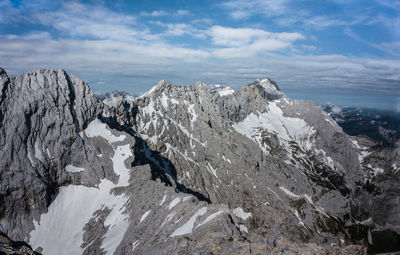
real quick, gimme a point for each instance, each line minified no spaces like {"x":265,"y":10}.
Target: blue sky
{"x":339,"y":51}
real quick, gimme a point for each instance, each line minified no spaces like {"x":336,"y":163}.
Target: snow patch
{"x":187,"y":228}
{"x":168,"y":218}
{"x":48,"y":152}
{"x":222,"y":90}
{"x":144,"y":216}
{"x":74,"y":169}
{"x":60,"y":230}
{"x":38,"y":152}
{"x":163,"y":200}
{"x":211,"y":170}
{"x":165,"y":100}
{"x":30,"y":158}
{"x":296,"y":213}
{"x":211,"y":217}
{"x":120,"y":155}
{"x":243,"y":228}
{"x":331,"y":122}
{"x":286,"y":128}
{"x":98,"y":128}
{"x":377,"y":170}
{"x":174,"y":202}
{"x":135,"y":244}
{"x":241,"y":214}
{"x":307,"y":198}
{"x":267,"y":84}
{"x":186,"y":198}
{"x":183,"y":155}
{"x":193,"y":115}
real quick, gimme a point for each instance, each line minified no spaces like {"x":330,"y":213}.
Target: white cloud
{"x":299,"y":14}
{"x":161,"y":13}
{"x":251,"y":49}
{"x":142,"y":65}
{"x":393,"y":46}
{"x":390,"y":3}
{"x":34,"y":35}
{"x":245,"y":42}
{"x":153,"y":13}
{"x":74,"y":20}
{"x":202,"y":21}
{"x":244,"y":9}
{"x":227,"y":36}
{"x":309,"y":47}
{"x":177,"y":29}
{"x":94,"y":38}
{"x":127,"y":51}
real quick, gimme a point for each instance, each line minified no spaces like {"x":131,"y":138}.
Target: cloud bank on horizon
{"x":347,"y":49}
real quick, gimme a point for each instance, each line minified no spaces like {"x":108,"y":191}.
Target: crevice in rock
{"x":72,"y":97}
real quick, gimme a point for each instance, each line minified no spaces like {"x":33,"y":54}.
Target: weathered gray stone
{"x":211,"y":170}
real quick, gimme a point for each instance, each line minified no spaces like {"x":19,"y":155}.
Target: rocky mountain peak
{"x":159,"y":87}
{"x":267,"y":84}
{"x":201,"y":85}
{"x":115,"y":98}
{"x":221,"y":90}
{"x":163,"y":83}
{"x":182,"y":168}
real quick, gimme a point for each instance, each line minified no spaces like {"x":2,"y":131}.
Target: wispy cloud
{"x":182,"y":12}
{"x":104,"y":46}
{"x":88,"y":37}
{"x":245,"y":42}
{"x":291,"y":13}
{"x":390,"y":3}
{"x":153,"y":13}
{"x":161,"y":13}
{"x":244,"y":9}
{"x":392,"y":48}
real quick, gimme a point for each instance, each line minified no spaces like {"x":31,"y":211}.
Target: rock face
{"x":187,"y":170}
{"x":10,"y":247}
{"x":41,"y":115}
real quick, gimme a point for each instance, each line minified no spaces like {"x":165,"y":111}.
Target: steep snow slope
{"x":61,"y":229}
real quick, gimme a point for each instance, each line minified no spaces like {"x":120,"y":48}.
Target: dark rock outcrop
{"x":10,"y":247}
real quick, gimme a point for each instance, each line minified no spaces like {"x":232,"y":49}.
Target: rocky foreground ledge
{"x":10,"y":247}
{"x":188,"y":170}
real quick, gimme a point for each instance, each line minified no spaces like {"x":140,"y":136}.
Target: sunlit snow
{"x":60,"y":230}
{"x":74,"y":169}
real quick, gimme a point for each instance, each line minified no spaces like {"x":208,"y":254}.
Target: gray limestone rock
{"x":42,"y":113}
{"x":187,"y":170}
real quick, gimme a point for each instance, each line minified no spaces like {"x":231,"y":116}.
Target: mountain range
{"x":200,"y":169}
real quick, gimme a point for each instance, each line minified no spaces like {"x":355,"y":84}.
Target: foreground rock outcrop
{"x":187,"y":170}
{"x":10,"y":247}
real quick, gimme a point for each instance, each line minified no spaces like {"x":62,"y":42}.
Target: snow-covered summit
{"x":221,"y":90}
{"x":115,"y":98}
{"x":267,"y":84}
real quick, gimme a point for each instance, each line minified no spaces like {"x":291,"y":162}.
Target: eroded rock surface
{"x":187,"y":170}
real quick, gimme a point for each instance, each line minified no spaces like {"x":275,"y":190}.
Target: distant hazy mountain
{"x":380,"y":125}
{"x":199,"y":169}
